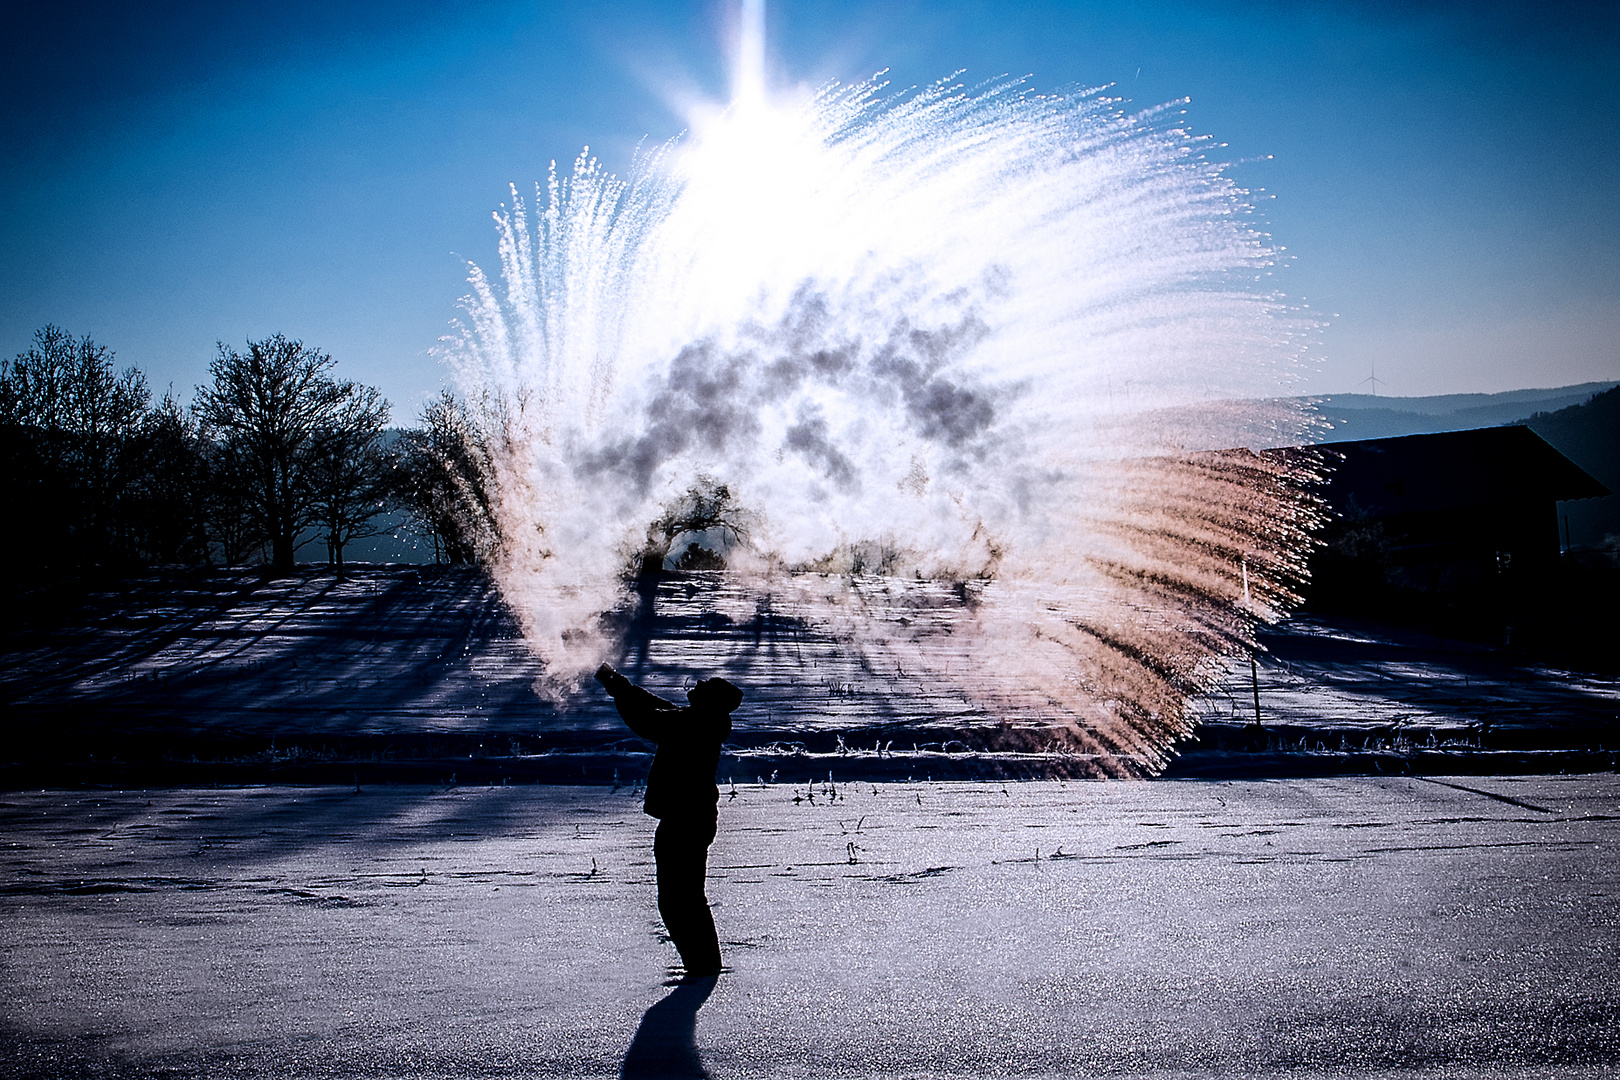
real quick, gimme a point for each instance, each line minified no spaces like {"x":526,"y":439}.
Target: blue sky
{"x":1444,"y":175}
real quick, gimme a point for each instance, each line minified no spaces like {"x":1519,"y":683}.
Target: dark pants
{"x":681,"y":850}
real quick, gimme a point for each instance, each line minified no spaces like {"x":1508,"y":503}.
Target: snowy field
{"x":1357,"y":927}
{"x":419,"y":673}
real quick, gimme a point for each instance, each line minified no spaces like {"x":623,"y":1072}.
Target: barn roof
{"x":1453,"y":469}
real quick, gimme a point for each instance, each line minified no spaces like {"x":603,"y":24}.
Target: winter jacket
{"x":681,"y":782}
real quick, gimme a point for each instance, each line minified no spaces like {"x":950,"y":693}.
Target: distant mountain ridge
{"x":1367,"y":416}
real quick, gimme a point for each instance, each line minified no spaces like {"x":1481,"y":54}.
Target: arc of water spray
{"x":890,"y":323}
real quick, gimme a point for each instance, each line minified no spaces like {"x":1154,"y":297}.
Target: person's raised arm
{"x":643,"y":712}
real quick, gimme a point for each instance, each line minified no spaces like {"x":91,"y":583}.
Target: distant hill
{"x":1365,"y":416}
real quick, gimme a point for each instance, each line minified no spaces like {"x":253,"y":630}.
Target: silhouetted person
{"x":682,"y":795}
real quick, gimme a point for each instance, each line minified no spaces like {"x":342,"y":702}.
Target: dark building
{"x":1461,"y":520}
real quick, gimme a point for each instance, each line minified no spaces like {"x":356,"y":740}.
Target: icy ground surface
{"x":426,"y":649}
{"x":1368,"y":679}
{"x":1439,"y":927}
{"x":389,"y":648}
{"x":181,"y":664}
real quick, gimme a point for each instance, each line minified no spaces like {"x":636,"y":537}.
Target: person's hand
{"x":605,"y":674}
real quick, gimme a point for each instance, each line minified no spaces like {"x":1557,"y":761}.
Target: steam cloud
{"x":1010,"y":339}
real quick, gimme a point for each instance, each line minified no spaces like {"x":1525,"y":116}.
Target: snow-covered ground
{"x":1397,"y":697}
{"x":1361,"y":677}
{"x":1442,"y":927}
{"x":425,"y":662}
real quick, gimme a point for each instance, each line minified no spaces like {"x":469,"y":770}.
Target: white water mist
{"x":990,"y":333}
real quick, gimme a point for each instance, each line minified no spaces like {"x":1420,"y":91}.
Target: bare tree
{"x":708,"y":506}
{"x":350,"y":472}
{"x":70,"y":421}
{"x":230,"y":520}
{"x":443,"y":481}
{"x":169,"y":503}
{"x":271,"y":410}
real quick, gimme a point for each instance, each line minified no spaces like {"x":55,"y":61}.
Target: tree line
{"x":275,"y":453}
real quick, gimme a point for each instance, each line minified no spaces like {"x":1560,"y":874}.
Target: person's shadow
{"x":665,"y":1045}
